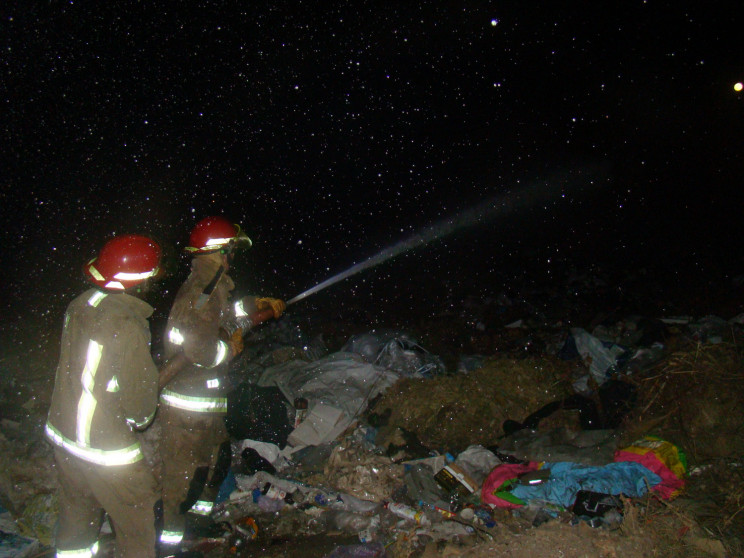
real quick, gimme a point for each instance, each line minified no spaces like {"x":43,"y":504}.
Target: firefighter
{"x":205,"y":332}
{"x":106,"y":388}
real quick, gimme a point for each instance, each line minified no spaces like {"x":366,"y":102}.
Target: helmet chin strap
{"x":228,"y":252}
{"x":207,"y":292}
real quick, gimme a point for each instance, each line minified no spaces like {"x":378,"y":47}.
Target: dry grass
{"x":450,"y":413}
{"x":695,"y":398}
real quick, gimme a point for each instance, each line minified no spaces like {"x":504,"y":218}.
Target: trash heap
{"x":382,"y":442}
{"x":627,"y":430}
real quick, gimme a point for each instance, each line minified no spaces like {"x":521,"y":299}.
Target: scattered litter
{"x":381,"y":443}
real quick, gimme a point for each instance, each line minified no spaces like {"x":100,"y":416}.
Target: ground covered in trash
{"x":469,"y":379}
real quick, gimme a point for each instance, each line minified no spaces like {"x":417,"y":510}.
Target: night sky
{"x":541,"y":135}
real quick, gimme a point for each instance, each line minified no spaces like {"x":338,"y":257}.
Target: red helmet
{"x":123,"y":262}
{"x":214,"y":233}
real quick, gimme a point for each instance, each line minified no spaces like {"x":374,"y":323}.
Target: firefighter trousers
{"x":190,"y":441}
{"x":127,"y":493}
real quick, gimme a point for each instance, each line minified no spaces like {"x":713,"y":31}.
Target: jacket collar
{"x":205,"y":267}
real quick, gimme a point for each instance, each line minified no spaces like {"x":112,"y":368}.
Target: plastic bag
{"x":601,"y":358}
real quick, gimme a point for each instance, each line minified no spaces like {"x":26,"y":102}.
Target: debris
{"x":402,"y":458}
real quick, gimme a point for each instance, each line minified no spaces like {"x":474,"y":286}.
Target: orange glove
{"x":278,"y":306}
{"x":236,"y":342}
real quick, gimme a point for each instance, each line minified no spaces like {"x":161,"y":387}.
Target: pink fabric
{"x":497,"y":477}
{"x":670,"y":484}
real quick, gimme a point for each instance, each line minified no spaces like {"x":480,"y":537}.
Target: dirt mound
{"x":449,"y":413}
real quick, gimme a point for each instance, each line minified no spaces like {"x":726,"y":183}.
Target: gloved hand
{"x":236,"y":342}
{"x":277,"y":305}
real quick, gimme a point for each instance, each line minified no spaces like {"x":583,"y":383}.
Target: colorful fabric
{"x":567,"y":479}
{"x":502,"y":488}
{"x":496,"y":488}
{"x":663,"y":458}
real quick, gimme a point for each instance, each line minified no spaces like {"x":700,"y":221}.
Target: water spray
{"x":498,"y":206}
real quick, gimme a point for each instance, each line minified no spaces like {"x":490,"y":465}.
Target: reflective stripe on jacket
{"x":106,"y":380}
{"x":194,"y":329}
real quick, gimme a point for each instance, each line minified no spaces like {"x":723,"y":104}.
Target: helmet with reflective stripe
{"x":124,"y":262}
{"x":214,"y":233}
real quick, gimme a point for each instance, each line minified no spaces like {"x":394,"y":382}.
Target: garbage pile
{"x":382,"y":447}
{"x":384,"y":443}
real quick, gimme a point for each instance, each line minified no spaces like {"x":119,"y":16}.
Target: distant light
{"x":738,"y":86}
{"x":494,"y":22}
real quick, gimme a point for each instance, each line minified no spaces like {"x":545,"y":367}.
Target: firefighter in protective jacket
{"x":205,"y":331}
{"x":105,"y":390}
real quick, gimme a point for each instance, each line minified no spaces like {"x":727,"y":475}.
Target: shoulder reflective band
{"x":196,"y":404}
{"x":108,"y":458}
{"x":202,"y":507}
{"x":82,"y":553}
{"x":96,"y":298}
{"x":171,"y":537}
{"x":87,"y":403}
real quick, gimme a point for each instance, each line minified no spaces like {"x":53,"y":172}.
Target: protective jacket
{"x":194,"y":327}
{"x":106,"y":384}
{"x":194,"y":403}
{"x":106,"y":381}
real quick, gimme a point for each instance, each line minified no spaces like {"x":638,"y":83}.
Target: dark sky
{"x":332,"y":130}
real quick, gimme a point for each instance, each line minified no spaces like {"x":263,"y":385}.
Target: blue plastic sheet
{"x":566,"y":479}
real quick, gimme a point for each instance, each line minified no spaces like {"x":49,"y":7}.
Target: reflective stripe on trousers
{"x":171,"y":537}
{"x":202,"y":507}
{"x":82,"y":553}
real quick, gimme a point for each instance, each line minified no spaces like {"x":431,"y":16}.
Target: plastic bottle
{"x":447,"y":514}
{"x":407,"y":512}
